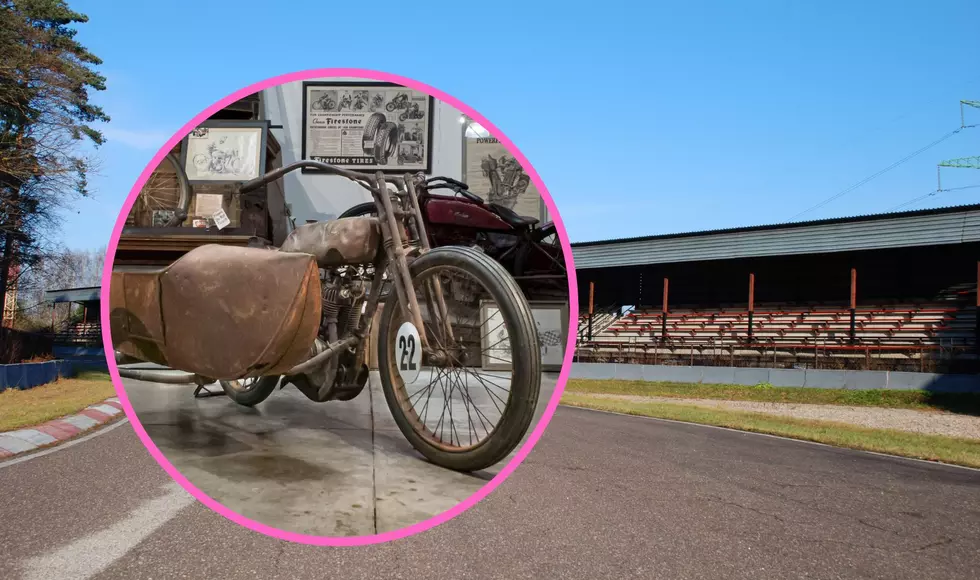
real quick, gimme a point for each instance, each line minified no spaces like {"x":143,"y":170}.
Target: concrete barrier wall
{"x":67,"y":352}
{"x":813,"y":378}
{"x":29,"y":375}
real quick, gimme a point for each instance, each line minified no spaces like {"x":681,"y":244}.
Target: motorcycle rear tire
{"x":526,"y":361}
{"x":253,"y":396}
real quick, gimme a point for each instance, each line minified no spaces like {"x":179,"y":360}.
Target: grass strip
{"x":30,"y":407}
{"x":965,"y":403}
{"x":953,"y":450}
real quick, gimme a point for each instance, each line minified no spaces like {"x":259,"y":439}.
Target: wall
{"x":825,"y":379}
{"x":82,"y":357}
{"x":29,"y":375}
{"x":323,"y":197}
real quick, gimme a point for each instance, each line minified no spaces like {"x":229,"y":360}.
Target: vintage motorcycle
{"x":530,"y":251}
{"x":324,"y":103}
{"x":412,"y":112}
{"x":256,"y":318}
{"x":224,"y":161}
{"x":400,"y":101}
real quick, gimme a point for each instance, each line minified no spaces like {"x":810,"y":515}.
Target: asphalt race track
{"x":602,"y":496}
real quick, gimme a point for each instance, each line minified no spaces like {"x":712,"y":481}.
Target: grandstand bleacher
{"x":914,"y":303}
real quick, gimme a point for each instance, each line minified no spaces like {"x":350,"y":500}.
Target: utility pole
{"x":960,"y":162}
{"x":963,"y":104}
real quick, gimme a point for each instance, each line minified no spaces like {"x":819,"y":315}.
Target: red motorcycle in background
{"x":530,"y":251}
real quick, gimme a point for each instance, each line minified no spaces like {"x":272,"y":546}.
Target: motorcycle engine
{"x":344,"y":293}
{"x":344,"y":299}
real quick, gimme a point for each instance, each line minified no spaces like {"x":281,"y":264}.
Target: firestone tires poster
{"x":367,"y":127}
{"x":495,"y":175}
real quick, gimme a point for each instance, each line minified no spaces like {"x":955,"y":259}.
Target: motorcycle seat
{"x":513,"y":218}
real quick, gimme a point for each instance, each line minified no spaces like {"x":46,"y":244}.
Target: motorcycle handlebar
{"x":363,"y":179}
{"x":450,"y":183}
{"x":447,"y":180}
{"x":465,"y":193}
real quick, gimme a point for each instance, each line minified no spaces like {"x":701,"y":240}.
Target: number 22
{"x":405,"y":344}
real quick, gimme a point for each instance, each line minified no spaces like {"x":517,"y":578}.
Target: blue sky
{"x":641,"y":117}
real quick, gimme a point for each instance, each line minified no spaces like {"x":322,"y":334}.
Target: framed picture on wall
{"x":220,"y":151}
{"x":367,"y":126}
{"x":551,"y":319}
{"x":492,"y":173}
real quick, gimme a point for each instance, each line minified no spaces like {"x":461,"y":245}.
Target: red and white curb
{"x":54,"y":432}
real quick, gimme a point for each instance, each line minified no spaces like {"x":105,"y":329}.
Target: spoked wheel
{"x":467,"y":399}
{"x":251,"y":391}
{"x":163,"y":198}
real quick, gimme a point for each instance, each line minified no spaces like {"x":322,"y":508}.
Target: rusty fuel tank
{"x":339,"y":242}
{"x":219,"y":311}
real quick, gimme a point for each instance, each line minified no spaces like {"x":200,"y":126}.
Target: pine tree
{"x":45,"y":117}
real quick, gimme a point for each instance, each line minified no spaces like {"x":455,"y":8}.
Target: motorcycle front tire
{"x":526,"y":362}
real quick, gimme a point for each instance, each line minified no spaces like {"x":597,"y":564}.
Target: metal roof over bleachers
{"x":89,"y":294}
{"x":931,"y":227}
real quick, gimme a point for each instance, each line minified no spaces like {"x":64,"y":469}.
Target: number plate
{"x":408,"y":352}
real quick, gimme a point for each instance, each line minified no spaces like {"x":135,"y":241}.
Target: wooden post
{"x":663,"y":315}
{"x":751,"y":303}
{"x":591,"y":306}
{"x":853,"y":332}
{"x":977,"y":315}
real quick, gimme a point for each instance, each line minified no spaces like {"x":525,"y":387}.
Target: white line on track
{"x":933,"y":463}
{"x":62,"y":446}
{"x":89,"y":555}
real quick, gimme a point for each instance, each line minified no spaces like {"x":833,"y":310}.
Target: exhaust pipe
{"x":155,"y":376}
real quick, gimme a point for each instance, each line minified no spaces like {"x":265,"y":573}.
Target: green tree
{"x":46,"y":77}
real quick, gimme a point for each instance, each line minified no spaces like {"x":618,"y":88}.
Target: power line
{"x":930,"y":194}
{"x":882,"y":172}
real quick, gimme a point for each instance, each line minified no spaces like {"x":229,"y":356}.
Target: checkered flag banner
{"x":550,"y":338}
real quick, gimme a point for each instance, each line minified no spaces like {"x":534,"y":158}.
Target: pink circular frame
{"x":337,"y":540}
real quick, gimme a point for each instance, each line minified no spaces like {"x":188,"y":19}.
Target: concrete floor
{"x":335,"y":469}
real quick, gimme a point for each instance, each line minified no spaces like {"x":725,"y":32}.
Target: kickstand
{"x":202,"y":391}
